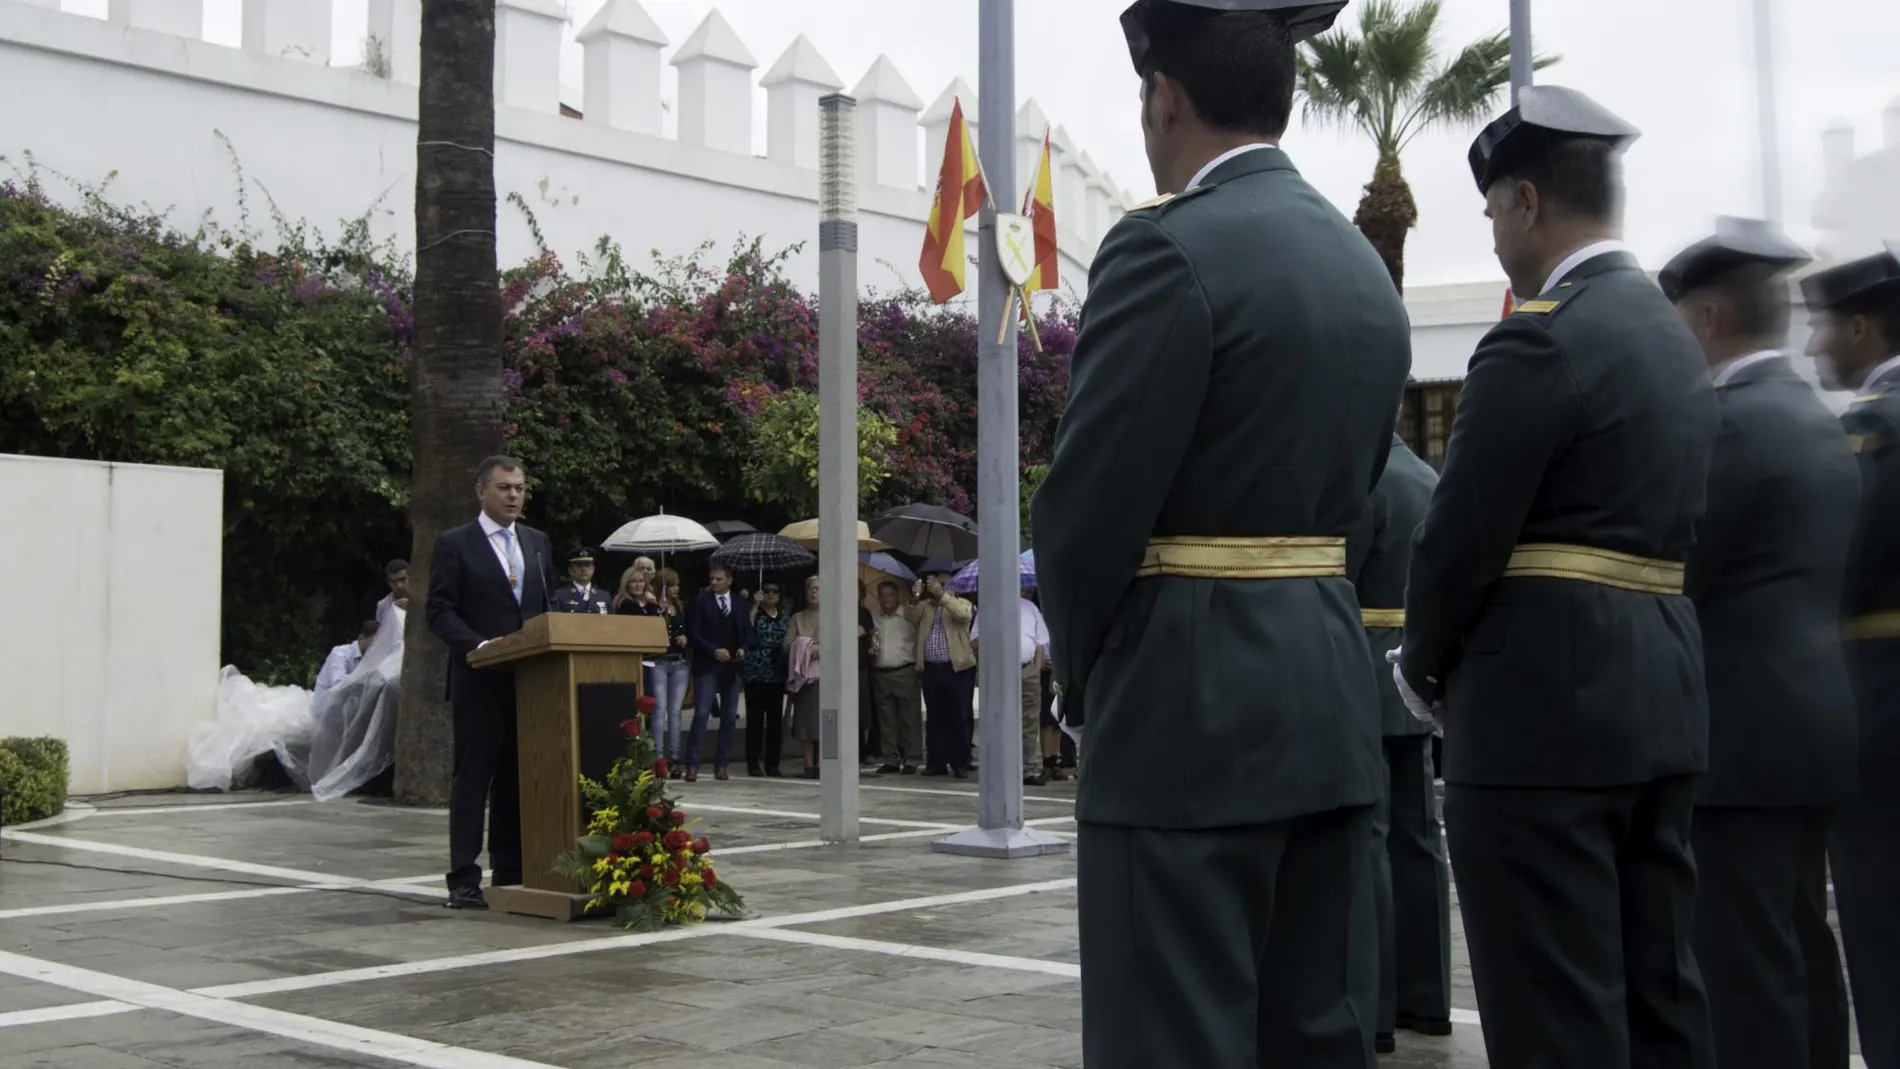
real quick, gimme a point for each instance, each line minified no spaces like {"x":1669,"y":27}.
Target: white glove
{"x":1432,"y":713}
{"x":1075,"y":733}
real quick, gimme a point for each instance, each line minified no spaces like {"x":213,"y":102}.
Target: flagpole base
{"x":1001,"y":843}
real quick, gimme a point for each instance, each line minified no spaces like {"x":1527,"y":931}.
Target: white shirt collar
{"x":1890,"y":364}
{"x":1578,"y":258}
{"x":489,"y":527}
{"x":1201,"y":175}
{"x":1734,"y":367}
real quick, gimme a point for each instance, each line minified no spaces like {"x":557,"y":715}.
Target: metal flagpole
{"x":838,"y":470}
{"x":999,"y":831}
{"x":1520,"y":47}
{"x":1767,"y":126}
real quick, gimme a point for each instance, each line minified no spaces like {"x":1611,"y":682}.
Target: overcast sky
{"x":1681,"y":70}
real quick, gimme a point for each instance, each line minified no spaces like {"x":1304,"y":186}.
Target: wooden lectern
{"x":577,"y":676}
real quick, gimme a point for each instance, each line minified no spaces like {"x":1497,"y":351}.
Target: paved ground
{"x":260,"y":931}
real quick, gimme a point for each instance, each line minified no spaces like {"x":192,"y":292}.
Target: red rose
{"x":653,"y":812}
{"x":646,"y":704}
{"x":672,"y":877}
{"x":659,"y":768}
{"x":646,"y":872}
{"x":678,"y":817}
{"x":637,"y":890}
{"x":700,"y":846}
{"x":641,"y":838}
{"x":613,"y":859}
{"x":631,"y":726}
{"x":675,"y":839}
{"x":709,"y":877}
{"x":624,"y":843}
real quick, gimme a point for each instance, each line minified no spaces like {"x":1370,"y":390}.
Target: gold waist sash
{"x":1196,"y":557}
{"x":1587,"y":564}
{"x":1382,"y":619}
{"x":1874,"y":625}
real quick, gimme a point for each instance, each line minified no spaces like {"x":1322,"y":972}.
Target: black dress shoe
{"x":467,"y":896}
{"x":960,"y":774}
{"x":887,"y":770}
{"x":1383,"y":1043}
{"x":910,"y":770}
{"x":774,"y":771}
{"x":754,"y":771}
{"x":1425,"y":1026}
{"x":936,"y":772}
{"x":1034,"y":781}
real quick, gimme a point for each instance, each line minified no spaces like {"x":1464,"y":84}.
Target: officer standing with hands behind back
{"x":1545,"y":621}
{"x":1766,"y":575}
{"x":1855,"y":309}
{"x":1231,"y":404}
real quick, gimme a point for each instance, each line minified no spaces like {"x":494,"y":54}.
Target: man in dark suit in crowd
{"x":1766,"y":576}
{"x":486,"y":579}
{"x":1411,"y":880}
{"x":1235,"y":384}
{"x":1856,"y":317}
{"x":1545,"y":622}
{"x":718,"y":627}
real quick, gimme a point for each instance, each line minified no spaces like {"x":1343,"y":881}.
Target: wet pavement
{"x":266,"y":930}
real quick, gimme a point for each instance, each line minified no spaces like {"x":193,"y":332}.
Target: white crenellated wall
{"x":142,"y":97}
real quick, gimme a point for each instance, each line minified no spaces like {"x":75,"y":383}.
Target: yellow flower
{"x":601,"y":865}
{"x":619,"y":887}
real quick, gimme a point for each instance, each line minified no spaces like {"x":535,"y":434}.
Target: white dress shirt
{"x":1578,"y":258}
{"x":507,"y":551}
{"x":896,"y":640}
{"x":1033,"y":636}
{"x":1201,"y":175}
{"x":338,"y":666}
{"x":1734,"y":367}
{"x":1890,"y":364}
{"x":725,"y":603}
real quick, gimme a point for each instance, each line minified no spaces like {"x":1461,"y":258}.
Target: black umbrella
{"x":927,"y":531}
{"x":758,"y":551}
{"x":724,"y":529}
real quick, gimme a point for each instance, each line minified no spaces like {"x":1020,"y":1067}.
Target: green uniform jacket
{"x":1238,"y":373}
{"x":1376,"y":557}
{"x":1873,"y":427}
{"x":1766,"y":576}
{"x":1585,"y":419}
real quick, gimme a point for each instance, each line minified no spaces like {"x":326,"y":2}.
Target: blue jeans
{"x":705,"y":689}
{"x":666,"y":681}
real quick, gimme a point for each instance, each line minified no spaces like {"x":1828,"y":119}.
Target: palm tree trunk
{"x":455,"y":380}
{"x":1386,"y":212}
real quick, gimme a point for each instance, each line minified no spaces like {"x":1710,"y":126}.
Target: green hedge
{"x":33,"y":772}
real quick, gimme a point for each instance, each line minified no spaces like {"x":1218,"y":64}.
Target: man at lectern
{"x":486,"y":579}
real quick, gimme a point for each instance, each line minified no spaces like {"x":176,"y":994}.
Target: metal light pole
{"x":999,"y":831}
{"x":838,"y":470}
{"x":1520,"y":47}
{"x":1767,"y":126}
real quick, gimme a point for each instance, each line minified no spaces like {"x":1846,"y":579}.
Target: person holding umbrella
{"x":948,"y":664}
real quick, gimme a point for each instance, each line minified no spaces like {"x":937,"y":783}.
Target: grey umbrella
{"x":927,"y":531}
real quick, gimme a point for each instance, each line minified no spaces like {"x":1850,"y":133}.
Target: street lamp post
{"x":838,"y":469}
{"x":1521,"y":70}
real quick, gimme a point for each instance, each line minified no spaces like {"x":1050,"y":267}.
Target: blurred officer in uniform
{"x":1235,"y":385}
{"x":1411,"y":879}
{"x":1855,"y":311}
{"x":1766,"y":575}
{"x":1545,"y":621}
{"x":579,"y":594}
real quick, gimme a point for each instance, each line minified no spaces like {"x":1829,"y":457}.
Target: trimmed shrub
{"x":33,"y":773}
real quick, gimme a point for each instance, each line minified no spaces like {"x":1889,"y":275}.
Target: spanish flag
{"x":1041,"y":210}
{"x":1510,"y":303}
{"x":960,"y":194}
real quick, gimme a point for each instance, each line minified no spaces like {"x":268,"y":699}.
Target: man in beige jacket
{"x":948,"y":665}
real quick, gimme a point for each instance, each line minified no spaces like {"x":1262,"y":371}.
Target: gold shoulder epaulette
{"x":1866,"y":398}
{"x":1858,"y":442}
{"x":1152,"y":202}
{"x":1536,"y":308}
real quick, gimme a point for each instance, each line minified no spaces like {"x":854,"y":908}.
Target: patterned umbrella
{"x":759,"y":551}
{"x":965,"y":581}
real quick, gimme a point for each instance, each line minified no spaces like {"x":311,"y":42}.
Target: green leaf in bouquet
{"x":595,"y":846}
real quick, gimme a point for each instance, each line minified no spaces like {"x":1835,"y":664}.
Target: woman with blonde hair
{"x":666,"y":672}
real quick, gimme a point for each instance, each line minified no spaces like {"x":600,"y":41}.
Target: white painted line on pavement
{"x":66,"y":842}
{"x":74,"y":811}
{"x":360,"y":1041}
{"x":917,"y":790}
{"x":76,"y":1012}
{"x":691,"y":806}
{"x":906,"y":950}
{"x":402,"y":887}
{"x":187,"y":809}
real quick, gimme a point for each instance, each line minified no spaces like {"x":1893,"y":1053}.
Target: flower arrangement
{"x":636,"y":855}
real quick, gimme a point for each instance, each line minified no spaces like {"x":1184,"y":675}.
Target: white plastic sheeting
{"x":331,"y":744}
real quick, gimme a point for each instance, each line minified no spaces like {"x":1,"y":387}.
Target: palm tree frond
{"x":1398,"y":45}
{"x":1331,"y":80}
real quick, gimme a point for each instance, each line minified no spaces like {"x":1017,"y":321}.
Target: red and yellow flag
{"x":1510,"y":303}
{"x":1040,"y":207}
{"x":960,"y":194}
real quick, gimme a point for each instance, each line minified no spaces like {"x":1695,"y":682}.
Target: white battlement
{"x":141,"y":95}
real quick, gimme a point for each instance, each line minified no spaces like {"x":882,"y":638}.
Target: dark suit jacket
{"x":1376,"y":559}
{"x":1239,"y":371}
{"x":470,"y":601}
{"x":1873,"y":426}
{"x":1590,"y":423}
{"x":705,"y":626}
{"x":1766,"y":575}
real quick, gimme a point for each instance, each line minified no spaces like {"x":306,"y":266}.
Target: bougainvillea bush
{"x":285,"y":364}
